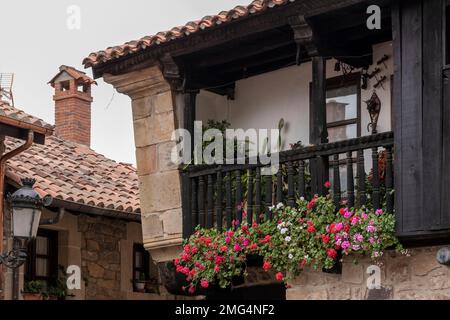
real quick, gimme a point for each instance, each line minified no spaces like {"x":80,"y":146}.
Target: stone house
{"x":315,"y":64}
{"x":95,"y":204}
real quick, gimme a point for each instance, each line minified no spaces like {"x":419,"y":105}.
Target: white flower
{"x":302,"y":198}
{"x":287,"y":239}
{"x":290,"y":256}
{"x":280,"y":206}
{"x":284,"y":230}
{"x":271,"y":208}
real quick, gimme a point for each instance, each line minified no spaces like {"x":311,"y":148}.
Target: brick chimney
{"x":72,"y":105}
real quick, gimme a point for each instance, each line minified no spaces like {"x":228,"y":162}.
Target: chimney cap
{"x":78,"y":75}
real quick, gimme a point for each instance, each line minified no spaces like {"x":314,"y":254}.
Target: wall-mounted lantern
{"x":26,"y":207}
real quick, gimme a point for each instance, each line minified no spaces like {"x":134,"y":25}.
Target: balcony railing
{"x":216,"y":195}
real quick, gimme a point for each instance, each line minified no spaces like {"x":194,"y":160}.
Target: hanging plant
{"x":313,"y":233}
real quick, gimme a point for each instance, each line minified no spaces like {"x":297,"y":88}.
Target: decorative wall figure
{"x":374,"y":108}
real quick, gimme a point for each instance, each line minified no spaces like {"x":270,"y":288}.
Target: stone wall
{"x":418,"y":276}
{"x":154,"y":120}
{"x":100,"y":256}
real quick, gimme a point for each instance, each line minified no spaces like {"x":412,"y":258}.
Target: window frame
{"x":345,"y":81}
{"x":52,"y":257}
{"x":138,"y":247}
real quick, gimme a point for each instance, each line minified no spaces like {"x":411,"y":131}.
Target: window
{"x":141,"y":264}
{"x":42,"y":261}
{"x":343,"y":107}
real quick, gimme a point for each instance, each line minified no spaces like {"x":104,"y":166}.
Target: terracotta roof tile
{"x":175,"y":33}
{"x":76,"y":173}
{"x":78,"y":75}
{"x":13,"y":116}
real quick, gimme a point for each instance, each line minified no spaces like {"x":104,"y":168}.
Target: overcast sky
{"x":35,"y":41}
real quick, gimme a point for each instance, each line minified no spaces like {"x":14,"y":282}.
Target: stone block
{"x":152,"y":226}
{"x":92,"y":245}
{"x":89,"y":255}
{"x":95,"y":270}
{"x":163,"y":102}
{"x":172,"y":222}
{"x":352,"y":273}
{"x":154,"y":129}
{"x":146,"y":160}
{"x":339,"y":292}
{"x":165,"y":156}
{"x":384,"y":293}
{"x":142,"y":107}
{"x":306,"y":293}
{"x":160,"y":192}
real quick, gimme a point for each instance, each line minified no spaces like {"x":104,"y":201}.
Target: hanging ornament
{"x":374,"y":108}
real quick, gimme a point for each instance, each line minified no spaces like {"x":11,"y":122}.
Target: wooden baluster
{"x":268,"y":196}
{"x":361,"y":179}
{"x":210,"y":201}
{"x":238,"y":196}
{"x":186,"y":204}
{"x":336,"y":182}
{"x":291,"y":187}
{"x":389,"y":179}
{"x":229,"y":208}
{"x":280,"y":184}
{"x":301,"y":179}
{"x":250,"y":197}
{"x":375,"y":180}
{"x":219,"y":199}
{"x":201,"y":201}
{"x":194,"y":204}
{"x":258,"y":195}
{"x":350,"y":181}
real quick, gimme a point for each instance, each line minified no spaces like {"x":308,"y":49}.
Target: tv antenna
{"x":6,"y":83}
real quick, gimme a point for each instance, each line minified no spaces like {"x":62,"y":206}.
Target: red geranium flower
{"x":332,"y":254}
{"x":191,"y":290}
{"x":216,"y":269}
{"x":223,"y":249}
{"x":311,"y":228}
{"x":279,"y":276}
{"x":266,"y":266}
{"x":204,"y":283}
{"x":325,"y":239}
{"x":327,"y":184}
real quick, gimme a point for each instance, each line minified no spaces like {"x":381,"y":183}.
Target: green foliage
{"x":34,"y":287}
{"x":312,"y":233}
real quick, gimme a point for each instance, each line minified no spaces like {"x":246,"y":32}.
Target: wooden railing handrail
{"x":385,"y":139}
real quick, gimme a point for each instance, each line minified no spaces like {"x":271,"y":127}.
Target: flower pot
{"x":140,"y":286}
{"x":173,"y":281}
{"x":32,"y":296}
{"x":254,"y":260}
{"x":52,"y":298}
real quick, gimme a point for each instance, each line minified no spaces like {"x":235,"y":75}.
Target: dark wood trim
{"x":52,"y":257}
{"x":253,"y":24}
{"x":19,"y":133}
{"x":139,"y":248}
{"x":342,"y":123}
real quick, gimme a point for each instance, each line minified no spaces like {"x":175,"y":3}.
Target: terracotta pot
{"x":140,"y":286}
{"x":32,"y":296}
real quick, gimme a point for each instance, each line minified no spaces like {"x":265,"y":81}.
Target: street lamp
{"x":26,"y":207}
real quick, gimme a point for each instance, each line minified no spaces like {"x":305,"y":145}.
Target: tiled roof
{"x":205,"y":23}
{"x":18,"y":118}
{"x":78,"y":75}
{"x":75,"y":173}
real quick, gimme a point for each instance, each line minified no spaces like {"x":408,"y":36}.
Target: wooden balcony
{"x":214,"y":196}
